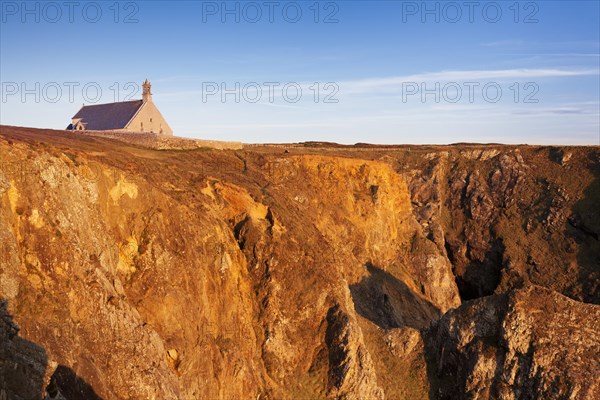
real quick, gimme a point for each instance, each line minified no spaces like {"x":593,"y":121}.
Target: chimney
{"x":146,"y":93}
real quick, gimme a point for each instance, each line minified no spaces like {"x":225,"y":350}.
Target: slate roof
{"x":100,"y":117}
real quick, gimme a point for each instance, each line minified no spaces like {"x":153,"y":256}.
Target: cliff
{"x":136,"y":273}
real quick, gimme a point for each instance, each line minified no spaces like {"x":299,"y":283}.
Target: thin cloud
{"x":557,"y":111}
{"x":394,"y":83}
{"x":503,"y":43}
{"x":262,"y":103}
{"x":554,"y":54}
{"x":519,"y":42}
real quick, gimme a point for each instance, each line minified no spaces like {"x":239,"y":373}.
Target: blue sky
{"x":353,"y":71}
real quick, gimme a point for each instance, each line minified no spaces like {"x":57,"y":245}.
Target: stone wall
{"x":161,"y":142}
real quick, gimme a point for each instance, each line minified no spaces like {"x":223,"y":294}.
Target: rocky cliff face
{"x":523,"y":344}
{"x":134,"y":273}
{"x":510,"y":217}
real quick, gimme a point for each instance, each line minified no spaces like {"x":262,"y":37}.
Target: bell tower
{"x":146,"y":93}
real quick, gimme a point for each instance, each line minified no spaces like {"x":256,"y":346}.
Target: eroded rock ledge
{"x":524,"y":344}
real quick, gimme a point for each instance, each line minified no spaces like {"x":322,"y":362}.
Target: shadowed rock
{"x":390,"y":303}
{"x":22,"y":363}
{"x":526,"y":344}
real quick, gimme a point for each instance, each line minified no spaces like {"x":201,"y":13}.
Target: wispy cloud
{"x":561,"y":110}
{"x":545,"y":44}
{"x":504,"y":43}
{"x":554,"y":54}
{"x":396,"y":82}
{"x":262,"y":103}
